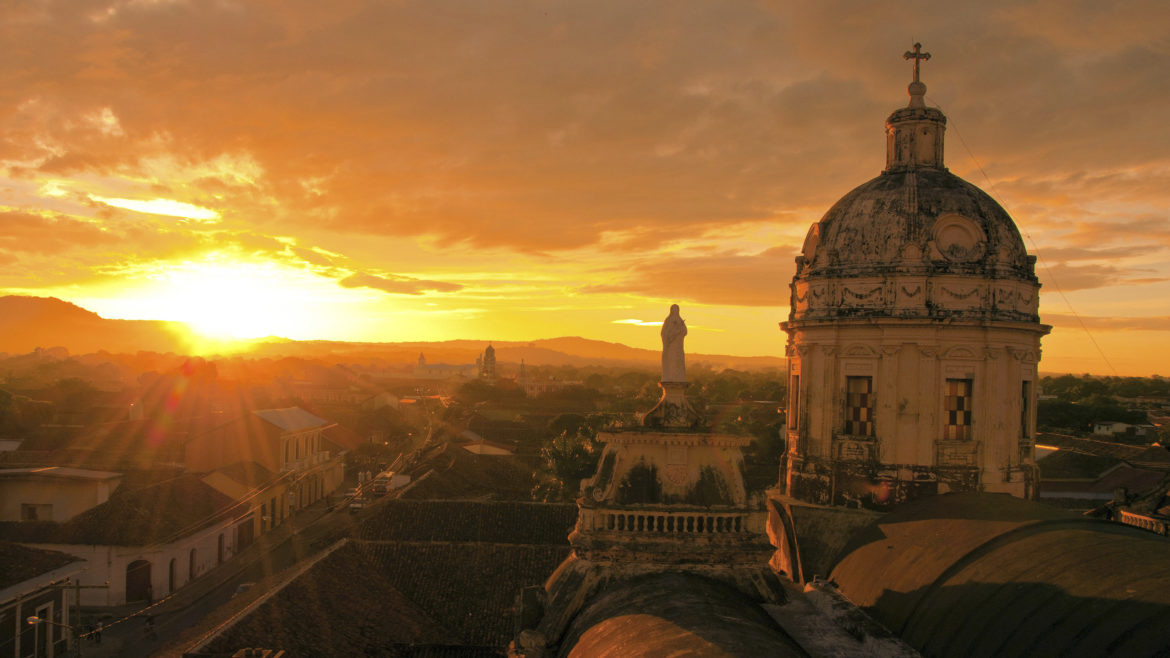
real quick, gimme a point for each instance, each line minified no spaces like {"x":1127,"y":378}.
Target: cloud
{"x":1109,"y":323}
{"x":581,"y":144}
{"x":398,"y":285}
{"x":168,"y":207}
{"x":717,"y":279}
{"x":49,"y":234}
{"x":1084,"y":277}
{"x":1065,"y":254}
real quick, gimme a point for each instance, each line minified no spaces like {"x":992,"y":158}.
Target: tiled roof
{"x":451,"y":472}
{"x":292,"y":419}
{"x":133,"y":516}
{"x":470,"y":521}
{"x":1153,"y":456}
{"x":468,"y":588}
{"x":248,"y":473}
{"x":343,"y":606}
{"x":20,"y":563}
{"x":60,"y":472}
{"x":426,"y":578}
{"x":344,"y":437}
{"x":1074,"y":465}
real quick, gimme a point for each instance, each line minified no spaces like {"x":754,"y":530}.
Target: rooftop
{"x":471,"y":521}
{"x":291,"y":419}
{"x":987,"y":574}
{"x":449,"y":472}
{"x":140,"y":512}
{"x":21,"y":563}
{"x":423,"y":578}
{"x":60,"y":472}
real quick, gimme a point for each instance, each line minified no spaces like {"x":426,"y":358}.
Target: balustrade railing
{"x":664,"y":523}
{"x":1144,"y":522}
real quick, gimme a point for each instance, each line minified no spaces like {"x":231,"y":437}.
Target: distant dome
{"x":921,"y":218}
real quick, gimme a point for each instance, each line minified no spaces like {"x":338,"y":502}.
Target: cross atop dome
{"x":917,"y":89}
{"x":918,"y":56}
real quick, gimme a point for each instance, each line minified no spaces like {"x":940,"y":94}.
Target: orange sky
{"x":512,"y":170}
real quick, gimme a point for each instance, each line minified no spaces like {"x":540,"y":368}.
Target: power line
{"x":1035,"y":248}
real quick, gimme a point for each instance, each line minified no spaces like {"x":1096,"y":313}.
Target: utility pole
{"x":77,"y":587}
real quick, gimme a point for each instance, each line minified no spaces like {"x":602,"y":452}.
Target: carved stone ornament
{"x":959,"y":239}
{"x":961,"y":352}
{"x":959,"y":293}
{"x":860,"y":350}
{"x":891,"y":350}
{"x":862,"y":295}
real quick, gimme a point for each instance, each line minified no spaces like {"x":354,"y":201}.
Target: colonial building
{"x":34,"y":582}
{"x":52,"y":493}
{"x":914,"y":335}
{"x":285,"y":441}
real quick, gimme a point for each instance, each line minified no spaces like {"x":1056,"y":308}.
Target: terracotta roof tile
{"x":21,"y":563}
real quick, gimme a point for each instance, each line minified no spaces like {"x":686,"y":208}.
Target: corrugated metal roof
{"x":292,"y":419}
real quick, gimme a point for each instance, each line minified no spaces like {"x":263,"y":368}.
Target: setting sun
{"x":224,"y":299}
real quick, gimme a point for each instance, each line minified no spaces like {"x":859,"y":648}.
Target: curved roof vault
{"x":991,"y":575}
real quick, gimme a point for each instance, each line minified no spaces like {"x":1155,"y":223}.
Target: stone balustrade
{"x":1144,"y":522}
{"x":663,"y":522}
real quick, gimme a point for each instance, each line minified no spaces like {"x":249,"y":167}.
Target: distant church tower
{"x":487,"y":364}
{"x":914,"y":335}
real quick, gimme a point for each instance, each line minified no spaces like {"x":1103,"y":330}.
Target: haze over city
{"x":512,"y":170}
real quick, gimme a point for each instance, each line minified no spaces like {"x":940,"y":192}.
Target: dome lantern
{"x":914,"y":134}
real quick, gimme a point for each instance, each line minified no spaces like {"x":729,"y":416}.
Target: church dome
{"x":917,"y":241}
{"x":916,"y":218}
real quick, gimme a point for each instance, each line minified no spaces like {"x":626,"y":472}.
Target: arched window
{"x":172,"y":576}
{"x":191,"y":568}
{"x":219,"y":552}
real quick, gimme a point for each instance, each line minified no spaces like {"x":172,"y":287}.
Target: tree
{"x":566,"y":459}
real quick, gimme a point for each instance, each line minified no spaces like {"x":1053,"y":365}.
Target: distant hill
{"x":27,"y":323}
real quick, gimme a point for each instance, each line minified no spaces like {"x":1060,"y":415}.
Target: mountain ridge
{"x":27,"y":323}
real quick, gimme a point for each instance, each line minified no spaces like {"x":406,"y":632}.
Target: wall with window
{"x":910,"y":409}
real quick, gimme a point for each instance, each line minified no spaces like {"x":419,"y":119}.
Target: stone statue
{"x":674,"y":329}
